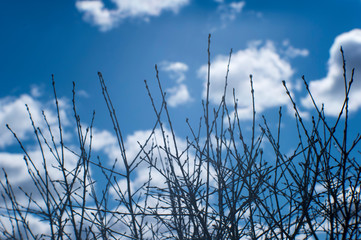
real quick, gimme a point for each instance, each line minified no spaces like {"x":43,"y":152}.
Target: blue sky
{"x":124,"y":39}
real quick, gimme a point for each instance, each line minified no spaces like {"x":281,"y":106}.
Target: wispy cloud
{"x":226,"y":13}
{"x":98,"y":14}
{"x":293,"y":52}
{"x":330,"y":90}
{"x":268,"y":67}
{"x":229,"y":12}
{"x":236,"y":6}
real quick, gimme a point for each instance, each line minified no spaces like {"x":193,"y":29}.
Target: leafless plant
{"x":220,"y":185}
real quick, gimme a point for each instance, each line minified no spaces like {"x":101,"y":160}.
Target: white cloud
{"x":106,"y":19}
{"x":15,"y":167}
{"x":266,"y":65}
{"x":14,"y":113}
{"x":237,"y":6}
{"x":179,"y":94}
{"x":105,"y":141}
{"x":133,"y":148}
{"x":229,"y":11}
{"x":35,"y":223}
{"x":293,"y":52}
{"x":36,"y":91}
{"x":82,"y":93}
{"x":135,"y":154}
{"x":17,"y":170}
{"x":330,"y":90}
{"x":158,"y":156}
{"x":176,"y":70}
{"x":95,"y":13}
{"x":18,"y":176}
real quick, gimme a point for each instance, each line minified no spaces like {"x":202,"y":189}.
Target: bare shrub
{"x":218,"y":184}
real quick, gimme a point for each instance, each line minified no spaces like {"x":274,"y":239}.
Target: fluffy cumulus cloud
{"x":330,"y":90}
{"x":106,"y":142}
{"x":148,"y":140}
{"x":103,"y":142}
{"x":178,"y":94}
{"x":268,"y":67}
{"x":19,"y":177}
{"x":97,"y":13}
{"x":14,"y":113}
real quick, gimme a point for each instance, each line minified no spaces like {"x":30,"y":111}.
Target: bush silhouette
{"x":220,"y":185}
